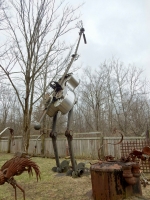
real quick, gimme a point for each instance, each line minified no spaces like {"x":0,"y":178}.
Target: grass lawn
{"x":52,"y":186}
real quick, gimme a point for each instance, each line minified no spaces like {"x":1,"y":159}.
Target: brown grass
{"x":52,"y":186}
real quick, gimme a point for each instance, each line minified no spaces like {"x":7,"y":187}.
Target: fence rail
{"x":84,"y":147}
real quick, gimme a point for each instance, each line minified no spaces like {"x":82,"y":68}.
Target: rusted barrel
{"x":115,"y":180}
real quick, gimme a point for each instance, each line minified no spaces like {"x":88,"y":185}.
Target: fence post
{"x":9,"y":144}
{"x":101,"y":150}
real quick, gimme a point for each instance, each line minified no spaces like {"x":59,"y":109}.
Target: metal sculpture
{"x":122,"y":177}
{"x":63,"y":99}
{"x":15,"y":167}
{"x":142,"y":155}
{"x":131,"y":163}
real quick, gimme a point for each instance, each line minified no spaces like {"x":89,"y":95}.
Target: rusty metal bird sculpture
{"x":16,"y":166}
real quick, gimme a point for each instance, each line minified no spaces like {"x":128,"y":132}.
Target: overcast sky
{"x":116,"y":28}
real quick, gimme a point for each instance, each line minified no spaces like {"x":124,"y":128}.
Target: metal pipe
{"x":69,"y":139}
{"x":37,"y":140}
{"x":71,"y":153}
{"x":53,"y":135}
{"x":4,"y":130}
{"x":12,"y":135}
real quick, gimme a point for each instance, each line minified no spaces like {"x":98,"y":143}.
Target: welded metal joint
{"x":53,"y":134}
{"x":68,"y":135}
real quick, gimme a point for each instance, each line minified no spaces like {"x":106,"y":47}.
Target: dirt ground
{"x":53,"y":186}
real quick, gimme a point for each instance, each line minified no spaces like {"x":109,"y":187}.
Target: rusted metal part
{"x":142,"y":155}
{"x":131,"y":173}
{"x":136,"y":170}
{"x":16,"y":166}
{"x":108,"y":182}
{"x":2,"y":178}
{"x":139,"y":151}
{"x":119,"y":141}
{"x":123,"y":174}
{"x":68,"y":135}
{"x":144,"y":180}
{"x":109,"y":158}
{"x":146,"y":150}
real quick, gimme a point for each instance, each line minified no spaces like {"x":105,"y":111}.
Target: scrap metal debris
{"x":135,"y":155}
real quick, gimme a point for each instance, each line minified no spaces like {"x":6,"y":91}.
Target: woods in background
{"x":112,"y":96}
{"x":33,"y":53}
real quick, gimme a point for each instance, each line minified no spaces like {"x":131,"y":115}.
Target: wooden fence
{"x":84,"y":145}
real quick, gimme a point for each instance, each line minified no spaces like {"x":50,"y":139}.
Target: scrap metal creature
{"x":63,"y":99}
{"x":15,"y":167}
{"x":142,"y":155}
{"x":138,"y":156}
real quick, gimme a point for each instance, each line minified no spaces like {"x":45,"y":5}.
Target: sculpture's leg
{"x":69,"y":139}
{"x":14,"y":184}
{"x":21,"y":190}
{"x":53,"y":135}
{"x":15,"y":193}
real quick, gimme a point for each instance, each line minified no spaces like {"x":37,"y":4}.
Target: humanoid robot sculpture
{"x":63,"y":99}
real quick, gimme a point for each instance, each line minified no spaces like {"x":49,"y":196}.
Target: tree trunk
{"x":43,"y":137}
{"x":26,"y":130}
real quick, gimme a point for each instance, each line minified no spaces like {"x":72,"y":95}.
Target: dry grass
{"x":52,"y":186}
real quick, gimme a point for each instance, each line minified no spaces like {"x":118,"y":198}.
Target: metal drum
{"x":72,"y":82}
{"x":64,"y":105}
{"x":52,"y":110}
{"x":65,"y":98}
{"x":115,"y":180}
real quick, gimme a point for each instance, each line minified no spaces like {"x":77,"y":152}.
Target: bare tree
{"x":93,"y":96}
{"x":3,"y":8}
{"x":113,"y":96}
{"x":127,"y":88}
{"x":10,"y":113}
{"x":5,"y":104}
{"x":35,"y":40}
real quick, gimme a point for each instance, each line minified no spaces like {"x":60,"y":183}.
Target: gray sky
{"x":116,"y":28}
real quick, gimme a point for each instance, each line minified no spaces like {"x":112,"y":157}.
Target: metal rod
{"x":69,"y":139}
{"x":72,"y":59}
{"x":37,"y":126}
{"x":53,"y":135}
{"x":4,"y":130}
{"x":37,"y":140}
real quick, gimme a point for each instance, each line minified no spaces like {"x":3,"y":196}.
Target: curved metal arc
{"x":111,"y":144}
{"x":4,"y":130}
